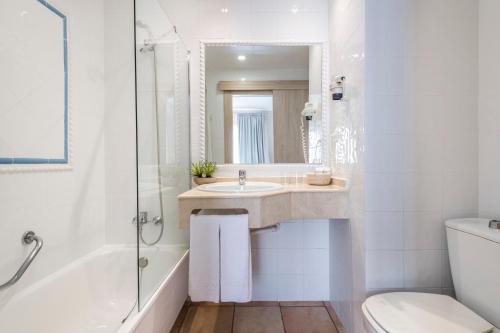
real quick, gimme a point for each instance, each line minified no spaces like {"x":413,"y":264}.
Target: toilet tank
{"x":474,"y":251}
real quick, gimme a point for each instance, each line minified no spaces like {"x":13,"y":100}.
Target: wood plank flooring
{"x":258,"y":317}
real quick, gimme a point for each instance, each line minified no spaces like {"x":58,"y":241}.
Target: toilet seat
{"x":408,"y":312}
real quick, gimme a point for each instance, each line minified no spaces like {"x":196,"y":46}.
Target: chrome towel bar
{"x":271,"y":228}
{"x":27,"y":239}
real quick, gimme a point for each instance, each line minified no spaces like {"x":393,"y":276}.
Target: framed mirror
{"x":263,"y":102}
{"x":34,"y":115}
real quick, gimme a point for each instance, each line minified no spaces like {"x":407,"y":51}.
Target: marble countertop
{"x":337,"y":185}
{"x":293,"y":201}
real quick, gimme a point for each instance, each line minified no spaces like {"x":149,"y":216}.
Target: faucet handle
{"x":243,"y":173}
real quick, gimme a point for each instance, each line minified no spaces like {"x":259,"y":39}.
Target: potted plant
{"x":202,"y":172}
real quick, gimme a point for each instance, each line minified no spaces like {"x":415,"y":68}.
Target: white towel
{"x":204,"y":275}
{"x":235,"y":258}
{"x":220,"y":258}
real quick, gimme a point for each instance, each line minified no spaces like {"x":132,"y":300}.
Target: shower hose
{"x":157,"y":239}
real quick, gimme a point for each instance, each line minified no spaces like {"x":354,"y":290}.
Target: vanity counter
{"x":293,"y":201}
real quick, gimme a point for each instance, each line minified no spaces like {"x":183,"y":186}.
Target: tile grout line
{"x":334,"y":320}
{"x":282,"y":321}
{"x":331,"y":319}
{"x":232,"y":324}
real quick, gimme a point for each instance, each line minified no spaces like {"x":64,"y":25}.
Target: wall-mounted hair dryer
{"x":337,"y":88}
{"x":309,"y":111}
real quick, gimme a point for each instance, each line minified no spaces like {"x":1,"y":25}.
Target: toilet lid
{"x":407,"y":312}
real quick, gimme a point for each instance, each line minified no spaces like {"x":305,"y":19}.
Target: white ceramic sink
{"x":237,"y":188}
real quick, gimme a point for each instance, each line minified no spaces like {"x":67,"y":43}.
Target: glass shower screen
{"x":163,"y":153}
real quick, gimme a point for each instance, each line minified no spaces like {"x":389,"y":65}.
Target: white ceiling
{"x":257,"y":57}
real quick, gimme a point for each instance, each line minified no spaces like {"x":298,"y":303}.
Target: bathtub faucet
{"x":143,"y":219}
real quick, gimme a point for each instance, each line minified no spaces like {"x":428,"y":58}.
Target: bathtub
{"x":96,"y":292}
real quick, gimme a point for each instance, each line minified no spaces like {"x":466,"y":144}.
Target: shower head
{"x":141,"y":24}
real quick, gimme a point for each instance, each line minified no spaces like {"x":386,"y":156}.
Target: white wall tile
{"x":265,"y":287}
{"x":290,"y":235}
{"x":239,"y":6}
{"x":316,"y":234}
{"x":384,"y":192}
{"x":423,"y":230}
{"x":423,"y":191}
{"x":388,"y":116}
{"x":263,"y":6}
{"x":264,"y":26}
{"x":297,"y":249}
{"x":384,"y":153}
{"x":316,"y":287}
{"x":384,"y":230}
{"x":290,"y":287}
{"x":267,"y":240}
{"x":384,"y":269}
{"x":460,"y":191}
{"x":414,"y":52}
{"x":423,"y":269}
{"x":316,"y":262}
{"x":347,"y":47}
{"x":264,"y":261}
{"x":290,"y":261}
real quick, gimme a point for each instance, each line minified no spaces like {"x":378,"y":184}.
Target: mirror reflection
{"x":263,"y":104}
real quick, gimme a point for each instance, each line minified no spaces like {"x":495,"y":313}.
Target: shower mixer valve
{"x":143,"y":219}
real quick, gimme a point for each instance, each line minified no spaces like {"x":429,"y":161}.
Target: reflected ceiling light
{"x":242,"y":57}
{"x":243,"y":79}
{"x":224,"y":10}
{"x":295,"y":9}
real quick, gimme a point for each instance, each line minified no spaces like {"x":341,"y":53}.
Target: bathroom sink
{"x":237,"y":188}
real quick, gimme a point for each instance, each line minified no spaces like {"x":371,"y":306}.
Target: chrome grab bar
{"x":27,"y":239}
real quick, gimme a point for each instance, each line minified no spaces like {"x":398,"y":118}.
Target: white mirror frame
{"x":324,"y":96}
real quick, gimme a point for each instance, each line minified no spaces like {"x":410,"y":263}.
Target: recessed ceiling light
{"x":295,"y":9}
{"x":224,"y":10}
{"x":242,"y":57}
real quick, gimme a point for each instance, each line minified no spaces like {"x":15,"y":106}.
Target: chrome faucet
{"x":143,"y":219}
{"x":243,"y":177}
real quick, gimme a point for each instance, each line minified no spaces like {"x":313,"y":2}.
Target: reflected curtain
{"x":253,"y":141}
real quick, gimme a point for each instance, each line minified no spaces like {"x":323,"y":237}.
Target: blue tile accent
{"x":64,"y":160}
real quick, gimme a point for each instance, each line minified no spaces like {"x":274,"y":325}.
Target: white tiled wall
{"x":489,"y":111}
{"x":347,"y":45}
{"x":67,"y":209}
{"x":421,"y":137}
{"x":119,"y":77}
{"x":292,"y":264}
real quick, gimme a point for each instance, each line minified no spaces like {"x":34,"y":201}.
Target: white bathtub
{"x":94,"y":294}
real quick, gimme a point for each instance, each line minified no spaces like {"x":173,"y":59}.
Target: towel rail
{"x":271,"y":228}
{"x":27,"y":239}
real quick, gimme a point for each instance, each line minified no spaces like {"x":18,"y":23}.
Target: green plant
{"x":203,"y":169}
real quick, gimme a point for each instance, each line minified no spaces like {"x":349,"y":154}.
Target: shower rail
{"x":28,"y":238}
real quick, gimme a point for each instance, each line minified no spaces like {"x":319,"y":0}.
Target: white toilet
{"x":474,"y":251}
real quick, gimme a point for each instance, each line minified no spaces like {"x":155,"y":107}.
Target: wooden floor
{"x":258,"y":317}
